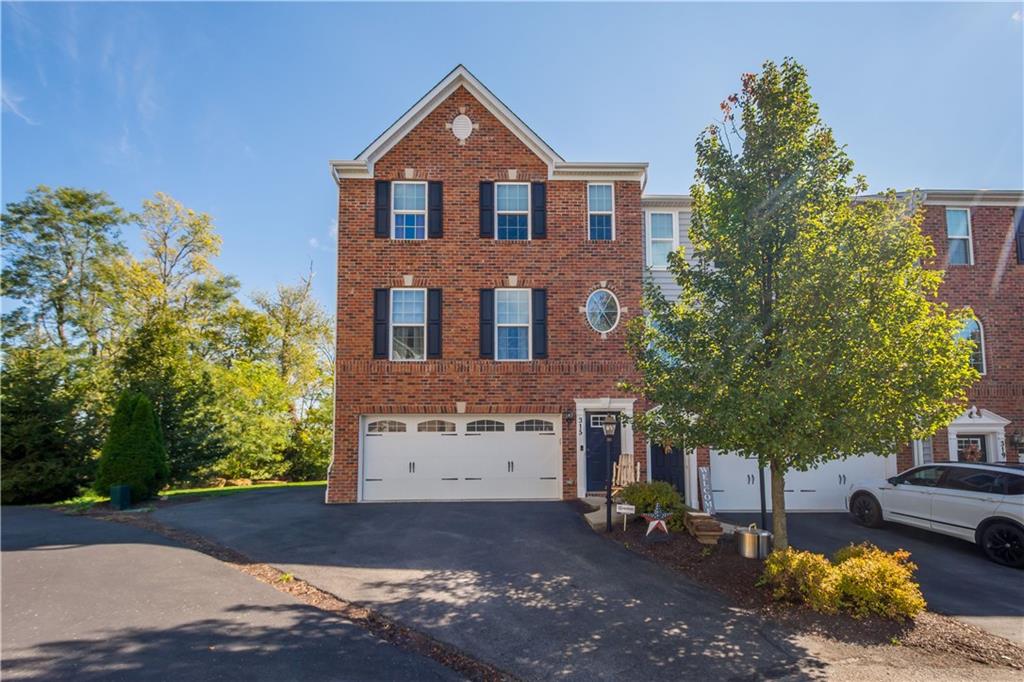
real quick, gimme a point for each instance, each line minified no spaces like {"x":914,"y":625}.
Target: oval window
{"x":603,"y":311}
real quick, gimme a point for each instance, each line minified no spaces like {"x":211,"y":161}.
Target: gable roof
{"x":460,"y":76}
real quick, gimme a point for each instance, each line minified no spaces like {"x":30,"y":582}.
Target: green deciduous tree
{"x":807,"y":329}
{"x":56,"y":243}
{"x":254,"y":421}
{"x":133,"y":454}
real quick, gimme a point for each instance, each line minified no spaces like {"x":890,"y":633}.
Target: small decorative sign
{"x":707,"y":498}
{"x":625,"y":510}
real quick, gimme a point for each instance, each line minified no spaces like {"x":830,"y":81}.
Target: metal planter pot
{"x":753,"y":543}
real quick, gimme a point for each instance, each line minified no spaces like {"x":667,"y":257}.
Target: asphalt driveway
{"x":530,"y":588}
{"x":92,"y":600}
{"x":955,"y":576}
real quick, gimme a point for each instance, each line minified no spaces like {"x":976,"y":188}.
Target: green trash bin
{"x":120,"y":496}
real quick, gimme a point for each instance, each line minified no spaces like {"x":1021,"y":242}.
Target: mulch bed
{"x":372,"y":621}
{"x":723,"y":569}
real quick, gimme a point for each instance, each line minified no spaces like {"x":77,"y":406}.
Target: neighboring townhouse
{"x":484,"y":287}
{"x":979,"y":240}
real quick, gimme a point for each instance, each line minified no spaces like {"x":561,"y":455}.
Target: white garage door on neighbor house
{"x":734,"y":482}
{"x":461,"y":457}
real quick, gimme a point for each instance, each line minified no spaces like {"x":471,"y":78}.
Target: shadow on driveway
{"x":956,"y":578}
{"x":92,"y":600}
{"x":524,"y":586}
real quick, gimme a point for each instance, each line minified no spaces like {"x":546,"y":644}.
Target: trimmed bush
{"x":801,"y":577}
{"x":644,"y":496}
{"x":861,"y":580}
{"x":872,"y":581}
{"x":134,"y":454}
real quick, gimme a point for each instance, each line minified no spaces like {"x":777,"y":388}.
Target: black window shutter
{"x":487,"y":209}
{"x":487,"y":324}
{"x":540,"y":323}
{"x":433,"y":323}
{"x":435,"y":212}
{"x":382,"y":208}
{"x":380,"y":323}
{"x":539,"y":206}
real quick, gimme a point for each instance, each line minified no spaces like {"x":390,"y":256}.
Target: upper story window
{"x":408,"y":324}
{"x":513,"y":210}
{"x":409,"y":210}
{"x":972,"y":330}
{"x":958,"y":233}
{"x":512,"y":324}
{"x":661,"y":239}
{"x":601,"y":212}
{"x":603,"y":311}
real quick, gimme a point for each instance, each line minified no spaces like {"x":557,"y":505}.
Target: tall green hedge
{"x":134,"y":453}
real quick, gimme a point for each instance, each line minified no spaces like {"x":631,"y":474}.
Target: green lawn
{"x":90,"y":498}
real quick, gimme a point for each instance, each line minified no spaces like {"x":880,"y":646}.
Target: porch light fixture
{"x":609,"y":426}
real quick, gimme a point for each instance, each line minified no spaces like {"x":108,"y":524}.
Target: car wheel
{"x":1004,"y":544}
{"x":865,"y":511}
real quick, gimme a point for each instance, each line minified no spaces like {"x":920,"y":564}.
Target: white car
{"x":977,"y":502}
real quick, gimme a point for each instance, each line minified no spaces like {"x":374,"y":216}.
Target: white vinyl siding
{"x":663,"y":278}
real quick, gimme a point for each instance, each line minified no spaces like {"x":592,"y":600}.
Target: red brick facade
{"x":993,"y":286}
{"x":580,"y":363}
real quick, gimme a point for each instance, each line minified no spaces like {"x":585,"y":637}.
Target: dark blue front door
{"x":667,"y":465}
{"x":596,"y":449}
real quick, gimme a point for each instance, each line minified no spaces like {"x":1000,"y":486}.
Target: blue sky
{"x":235,"y":109}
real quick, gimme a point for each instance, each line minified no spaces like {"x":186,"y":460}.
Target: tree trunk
{"x":781,"y":537}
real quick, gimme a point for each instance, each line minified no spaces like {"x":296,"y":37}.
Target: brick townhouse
{"x":484,"y":286}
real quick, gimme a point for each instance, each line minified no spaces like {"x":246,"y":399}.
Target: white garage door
{"x":734,"y":482}
{"x":463,"y":457}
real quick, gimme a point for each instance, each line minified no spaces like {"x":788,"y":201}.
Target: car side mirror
{"x":894,"y":480}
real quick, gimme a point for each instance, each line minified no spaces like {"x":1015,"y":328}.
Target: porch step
{"x":596,"y":519}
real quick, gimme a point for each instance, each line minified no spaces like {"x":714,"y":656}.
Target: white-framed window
{"x":923,"y":452}
{"x":512,"y":214}
{"x":408,"y":317}
{"x":408,"y":210}
{"x":484,"y":426}
{"x":662,"y":238}
{"x":602,"y":310}
{"x":512,"y":324}
{"x":601,"y":211}
{"x":972,"y":330}
{"x":958,"y":237}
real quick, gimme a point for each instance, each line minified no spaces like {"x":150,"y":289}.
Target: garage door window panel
{"x":535,"y":425}
{"x":485,"y":426}
{"x":385,"y":426}
{"x":435,"y":426}
{"x":408,"y":324}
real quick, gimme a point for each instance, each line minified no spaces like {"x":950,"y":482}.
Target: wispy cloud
{"x":332,"y":229}
{"x":314,"y":242}
{"x":1017,"y":16}
{"x":12,"y":103}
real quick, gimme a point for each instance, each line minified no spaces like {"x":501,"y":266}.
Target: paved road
{"x":92,"y":600}
{"x":955,"y":576}
{"x":529,"y":588}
